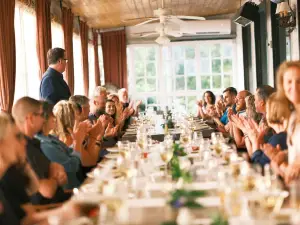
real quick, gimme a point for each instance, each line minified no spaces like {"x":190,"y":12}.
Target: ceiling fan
{"x":169,"y":25}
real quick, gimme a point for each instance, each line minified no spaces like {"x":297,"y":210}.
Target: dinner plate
{"x":113,"y":150}
{"x":112,"y":156}
{"x":114,"y":174}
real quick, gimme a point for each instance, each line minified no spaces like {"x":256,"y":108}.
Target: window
{"x":102,"y":77}
{"x":92,"y":83}
{"x":144,"y":69}
{"x":57,"y":35}
{"x":78,"y":71}
{"x":178,"y":74}
{"x":27,"y":66}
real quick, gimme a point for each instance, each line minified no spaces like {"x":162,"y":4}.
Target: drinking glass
{"x":166,"y":155}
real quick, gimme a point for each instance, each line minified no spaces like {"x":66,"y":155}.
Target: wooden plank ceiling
{"x":114,"y":13}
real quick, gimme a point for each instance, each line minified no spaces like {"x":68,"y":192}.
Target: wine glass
{"x":166,"y":154}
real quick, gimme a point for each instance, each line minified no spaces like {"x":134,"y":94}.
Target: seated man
{"x":229,"y":95}
{"x":97,"y":103}
{"x":29,"y":117}
{"x":235,"y":132}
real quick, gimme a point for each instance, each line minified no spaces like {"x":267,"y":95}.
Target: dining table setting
{"x":186,"y":174}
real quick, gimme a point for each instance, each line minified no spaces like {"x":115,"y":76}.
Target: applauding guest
{"x":29,"y":116}
{"x":278,"y":113}
{"x":207,"y":105}
{"x":71,"y":158}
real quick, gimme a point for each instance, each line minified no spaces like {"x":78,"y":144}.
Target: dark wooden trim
{"x":246,"y":39}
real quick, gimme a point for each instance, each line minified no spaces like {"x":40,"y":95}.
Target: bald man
{"x":240,"y":102}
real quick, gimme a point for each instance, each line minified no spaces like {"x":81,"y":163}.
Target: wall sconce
{"x":286,"y":16}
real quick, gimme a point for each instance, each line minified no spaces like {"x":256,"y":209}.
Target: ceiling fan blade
{"x":176,"y":20}
{"x":145,"y":34}
{"x":191,"y":17}
{"x":145,"y":22}
{"x":143,"y":18}
{"x":174,"y":34}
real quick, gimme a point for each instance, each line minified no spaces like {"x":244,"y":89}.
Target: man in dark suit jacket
{"x":53,"y":88}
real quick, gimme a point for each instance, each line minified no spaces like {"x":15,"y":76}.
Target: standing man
{"x":53,"y":88}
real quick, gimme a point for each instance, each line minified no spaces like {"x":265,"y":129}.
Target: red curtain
{"x":114,"y":57}
{"x":7,"y":54}
{"x":96,"y":54}
{"x":67,"y":24}
{"x":84,"y":29}
{"x":43,"y":20}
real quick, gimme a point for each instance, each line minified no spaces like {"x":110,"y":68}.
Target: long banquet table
{"x":150,"y":205}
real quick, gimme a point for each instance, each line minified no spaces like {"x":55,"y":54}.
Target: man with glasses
{"x":53,"y":88}
{"x":29,"y":117}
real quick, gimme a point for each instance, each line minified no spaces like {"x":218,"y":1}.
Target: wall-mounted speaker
{"x":246,"y":14}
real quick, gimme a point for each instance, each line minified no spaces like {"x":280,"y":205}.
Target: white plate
{"x":113,"y":149}
{"x":112,"y":156}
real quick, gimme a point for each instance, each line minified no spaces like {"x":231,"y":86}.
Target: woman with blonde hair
{"x":68,"y":128}
{"x":288,"y":87}
{"x":277,"y":116}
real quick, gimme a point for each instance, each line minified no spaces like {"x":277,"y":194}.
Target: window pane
{"x":151,"y":71}
{"x":179,"y":68}
{"x":191,"y":104}
{"x":139,"y":53}
{"x":189,"y":53}
{"x":151,"y":54}
{"x":169,"y":84}
{"x":57,"y":35}
{"x":204,"y":66}
{"x":190,"y":68}
{"x":178,"y":52}
{"x":216,"y":66}
{"x":180,"y":101}
{"x":205,"y":82}
{"x":166,"y":53}
{"x":227,"y":81}
{"x":92,"y":83}
{"x":140,"y":85}
{"x":180,"y":84}
{"x":170,"y":101}
{"x":217,"y":81}
{"x":227,"y":65}
{"x":204,"y":51}
{"x":216,"y":50}
{"x":179,"y":104}
{"x":151,"y":84}
{"x":78,"y":74}
{"x":151,"y":100}
{"x":227,"y":50}
{"x":167,"y":68}
{"x":139,"y":68}
{"x":191,"y":83}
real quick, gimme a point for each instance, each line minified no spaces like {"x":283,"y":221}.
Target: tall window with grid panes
{"x":178,"y":74}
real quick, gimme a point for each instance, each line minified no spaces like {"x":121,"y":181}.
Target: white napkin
{"x":146,"y":202}
{"x":209,"y":201}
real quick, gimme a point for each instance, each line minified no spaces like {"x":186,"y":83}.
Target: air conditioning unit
{"x":192,"y":28}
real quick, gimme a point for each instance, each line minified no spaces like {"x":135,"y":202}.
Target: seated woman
{"x":206,"y":107}
{"x":278,"y":113}
{"x":70,"y":132}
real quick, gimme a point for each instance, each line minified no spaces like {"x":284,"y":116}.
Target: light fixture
{"x":162,"y":39}
{"x":286,"y":16}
